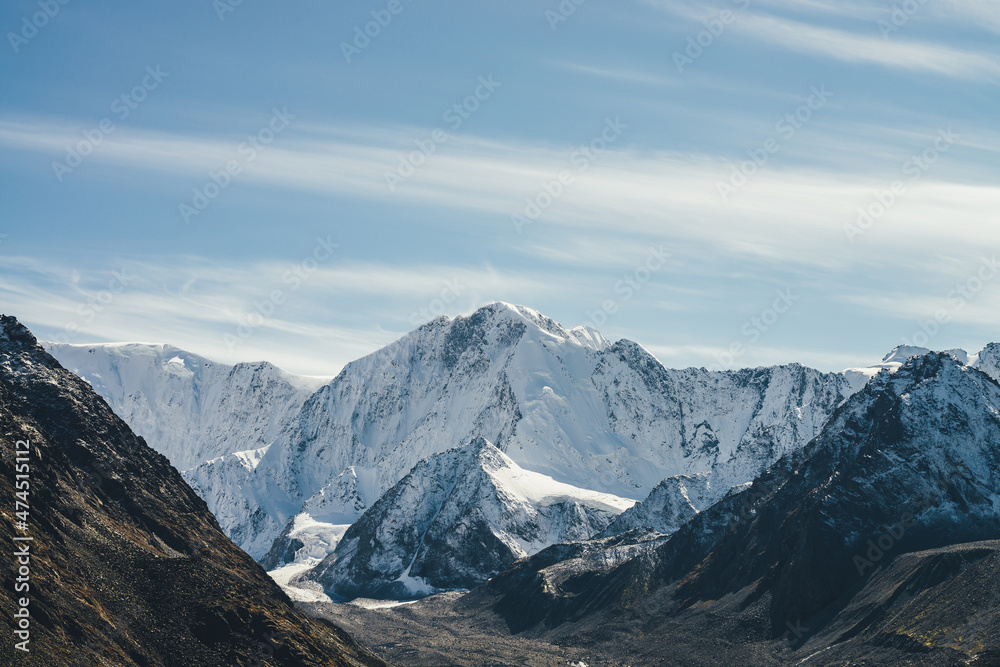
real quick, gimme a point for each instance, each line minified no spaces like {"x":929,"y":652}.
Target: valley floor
{"x":938,"y":607}
{"x":431,"y":633}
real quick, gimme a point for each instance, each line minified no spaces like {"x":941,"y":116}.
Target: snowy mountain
{"x":988,"y":361}
{"x":875,"y":543}
{"x":186,"y":407}
{"x":915,"y":456}
{"x":671,"y":504}
{"x":272,"y":460}
{"x":677,"y":499}
{"x":561,"y":402}
{"x":456,"y":519}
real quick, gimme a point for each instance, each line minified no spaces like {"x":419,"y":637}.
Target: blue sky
{"x":264,"y":181}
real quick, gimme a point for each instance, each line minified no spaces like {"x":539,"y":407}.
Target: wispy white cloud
{"x":966,"y":300}
{"x":866,"y":45}
{"x":618,"y":74}
{"x":981,"y":13}
{"x":782,"y":213}
{"x":199,"y":305}
{"x":870,"y":49}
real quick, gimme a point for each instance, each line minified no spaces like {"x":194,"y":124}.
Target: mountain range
{"x":565,"y":403}
{"x":876,"y":543}
{"x":789,"y":516}
{"x":288,"y":463}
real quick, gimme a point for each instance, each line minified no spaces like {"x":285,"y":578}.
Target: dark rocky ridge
{"x":932,"y":608}
{"x":128,"y":566}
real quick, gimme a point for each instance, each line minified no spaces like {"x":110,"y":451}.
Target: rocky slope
{"x":127,"y":565}
{"x":913,"y":461}
{"x":931,"y":608}
{"x":456,"y":519}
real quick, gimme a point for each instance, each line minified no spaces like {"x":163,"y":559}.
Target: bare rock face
{"x":127,"y":565}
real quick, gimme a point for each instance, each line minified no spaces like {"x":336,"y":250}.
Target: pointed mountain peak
{"x":901,"y":353}
{"x":501,"y":310}
{"x":478,"y":455}
{"x":14,"y":333}
{"x":929,"y":366}
{"x":481,"y":445}
{"x":456,"y":519}
{"x":501,"y":316}
{"x":988,"y":361}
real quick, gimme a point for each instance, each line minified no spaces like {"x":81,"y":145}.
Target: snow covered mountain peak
{"x":191,"y":409}
{"x":901,"y":353}
{"x":502,"y":322}
{"x":859,"y":377}
{"x":562,"y":403}
{"x":457,"y":518}
{"x":988,"y":361}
